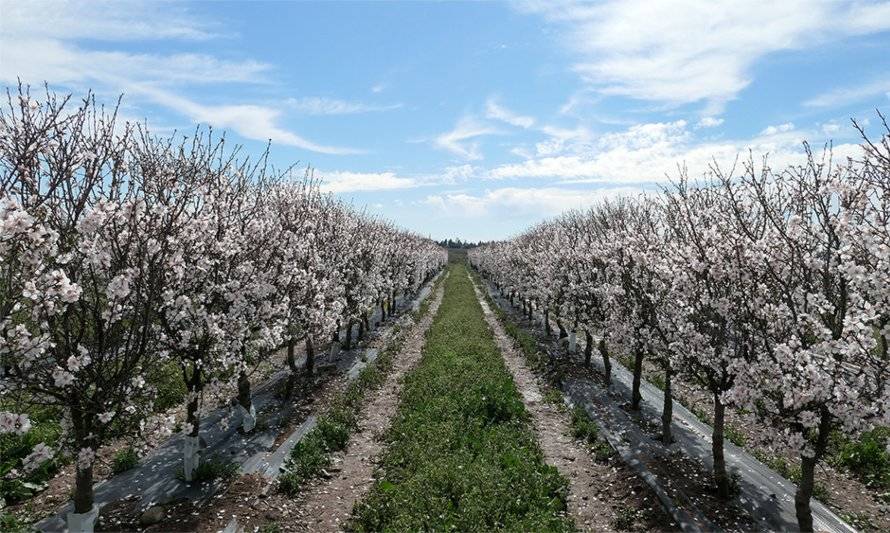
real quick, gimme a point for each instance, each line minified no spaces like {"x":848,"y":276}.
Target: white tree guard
{"x":191,"y":456}
{"x":248,"y":418}
{"x":83,"y":522}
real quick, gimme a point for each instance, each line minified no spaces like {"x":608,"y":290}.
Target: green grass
{"x":425,"y":304}
{"x":172,"y":391}
{"x":792,"y":473}
{"x":553,"y":396}
{"x":865,"y":457}
{"x":271,"y":527}
{"x":313,"y":454}
{"x":583,"y":428}
{"x":860,"y":521}
{"x":212,"y":469}
{"x":10,"y":524}
{"x":625,"y":518}
{"x":528,"y":345}
{"x":734,"y":435}
{"x":124,"y":460}
{"x":461,"y":454}
{"x":13,"y":448}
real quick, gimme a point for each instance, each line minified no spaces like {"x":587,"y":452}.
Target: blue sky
{"x":474,"y":120}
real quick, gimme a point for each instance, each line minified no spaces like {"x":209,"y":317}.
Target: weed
{"x":734,"y":435}
{"x":625,"y":518}
{"x":124,"y":459}
{"x":553,"y":397}
{"x":271,"y":527}
{"x":583,"y":428}
{"x":461,"y":454}
{"x":11,"y":524}
{"x":602,"y":451}
{"x":792,"y":473}
{"x":312,"y":454}
{"x":14,"y":448}
{"x":866,"y":457}
{"x":860,"y":521}
{"x":212,"y":469}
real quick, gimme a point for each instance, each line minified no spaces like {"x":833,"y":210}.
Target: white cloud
{"x":781,"y":128}
{"x":102,"y":20}
{"x":830,"y":128}
{"x":695,"y":51}
{"x":317,"y":105}
{"x":709,"y":122}
{"x":63,"y":63}
{"x":495,"y":111}
{"x":459,"y":140}
{"x":850,"y":95}
{"x":652,"y":152}
{"x":48,"y":41}
{"x":514,"y":202}
{"x":344,"y":181}
{"x":458,"y":173}
{"x":561,"y":139}
{"x":255,"y":122}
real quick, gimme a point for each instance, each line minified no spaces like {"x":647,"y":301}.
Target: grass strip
{"x":583,"y":427}
{"x":461,"y":454}
{"x":313,"y":453}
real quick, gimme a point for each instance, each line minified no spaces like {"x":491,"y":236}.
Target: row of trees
{"x":121,"y":252}
{"x":769,"y":288}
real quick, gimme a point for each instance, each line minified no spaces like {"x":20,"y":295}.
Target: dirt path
{"x":327,"y":504}
{"x":586,"y":477}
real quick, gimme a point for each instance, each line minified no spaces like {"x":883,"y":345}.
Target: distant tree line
{"x":457,"y":243}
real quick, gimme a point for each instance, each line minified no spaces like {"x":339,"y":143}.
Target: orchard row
{"x":770,"y":289}
{"x":121,"y":252}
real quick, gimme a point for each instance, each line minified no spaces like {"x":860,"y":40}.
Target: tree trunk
{"x":720,"y":475}
{"x":336,"y":335}
{"x":83,"y":483}
{"x":635,"y":395}
{"x":607,"y":363}
{"x":310,"y":356}
{"x":588,"y":347}
{"x":83,"y":490}
{"x":191,"y":412}
{"x":348,"y":342}
{"x":382,"y":310}
{"x":191,"y":444}
{"x":667,"y":411}
{"x":531,"y":311}
{"x":562,"y":330}
{"x":245,"y":400}
{"x":244,"y":395}
{"x":366,"y":321}
{"x":547,"y":327}
{"x":361,"y":330}
{"x":807,"y":475}
{"x":294,"y":371}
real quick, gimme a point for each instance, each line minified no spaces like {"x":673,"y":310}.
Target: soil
{"x":328,"y":504}
{"x":851,"y":499}
{"x":600,"y":493}
{"x":58,"y":489}
{"x":848,"y":497}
